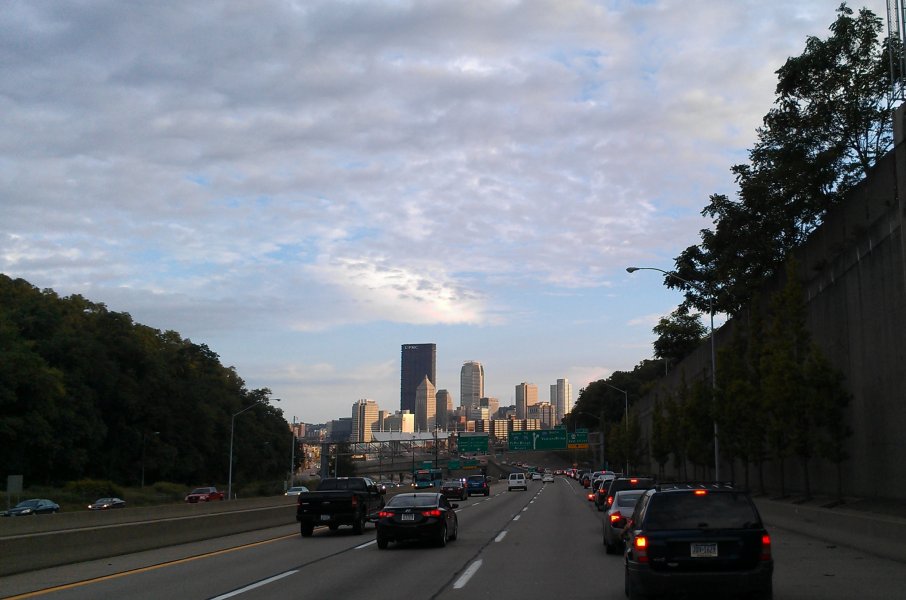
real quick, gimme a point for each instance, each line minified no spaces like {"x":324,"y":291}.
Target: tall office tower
{"x":471,"y":384}
{"x":418,"y":361}
{"x":561,"y":399}
{"x":444,"y":408}
{"x":364,"y":420}
{"x":425,"y":406}
{"x":526,"y":395}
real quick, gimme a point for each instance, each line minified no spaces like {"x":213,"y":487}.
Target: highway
{"x":544,"y":543}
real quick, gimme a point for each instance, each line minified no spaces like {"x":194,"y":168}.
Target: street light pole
{"x":626,"y":417}
{"x":232,"y":431}
{"x":710,"y":295}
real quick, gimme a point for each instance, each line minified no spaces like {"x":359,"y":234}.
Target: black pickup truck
{"x":339,"y":501}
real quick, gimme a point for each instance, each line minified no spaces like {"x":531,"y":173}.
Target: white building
{"x":561,"y":399}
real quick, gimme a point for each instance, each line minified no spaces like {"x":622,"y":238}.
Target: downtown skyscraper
{"x":417,"y":362}
{"x":471,"y":384}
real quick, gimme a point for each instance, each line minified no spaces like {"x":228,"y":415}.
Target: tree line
{"x":778,"y":398}
{"x":86,"y":392}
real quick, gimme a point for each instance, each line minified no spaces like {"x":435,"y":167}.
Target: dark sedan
{"x":454,"y":489}
{"x":107,"y":503}
{"x":35,"y":506}
{"x":418,"y":517}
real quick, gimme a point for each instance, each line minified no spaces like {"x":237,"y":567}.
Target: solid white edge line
{"x":465,"y":577}
{"x":255,"y":585}
{"x":500,"y":536}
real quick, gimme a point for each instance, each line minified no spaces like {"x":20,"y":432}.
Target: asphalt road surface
{"x":544,"y":543}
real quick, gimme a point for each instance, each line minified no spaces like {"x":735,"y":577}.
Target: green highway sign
{"x":542,"y":439}
{"x":477,"y":443}
{"x":452,"y":464}
{"x":577,"y":440}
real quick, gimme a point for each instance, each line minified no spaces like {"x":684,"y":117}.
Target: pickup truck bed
{"x":339,"y":501}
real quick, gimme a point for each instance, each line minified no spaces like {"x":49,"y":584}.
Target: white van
{"x":516,"y":480}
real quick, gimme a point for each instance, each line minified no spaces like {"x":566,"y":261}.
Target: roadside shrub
{"x":89,"y":490}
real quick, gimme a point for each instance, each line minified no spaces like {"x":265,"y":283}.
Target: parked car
{"x":454,"y":489}
{"x":107,"y":503}
{"x":686,"y":538}
{"x":616,"y":517}
{"x":35,"y":506}
{"x":417,"y":516}
{"x":295,"y":490}
{"x":204,"y":494}
{"x":516,"y":481}
{"x":478,"y":484}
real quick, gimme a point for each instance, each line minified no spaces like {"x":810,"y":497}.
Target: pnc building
{"x":417,"y":362}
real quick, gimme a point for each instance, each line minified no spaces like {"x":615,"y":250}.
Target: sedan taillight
{"x":765,"y":547}
{"x":384,"y":514}
{"x":431,"y":513}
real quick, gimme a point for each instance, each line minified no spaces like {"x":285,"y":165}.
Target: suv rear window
{"x":476,"y":478}
{"x":686,"y":510}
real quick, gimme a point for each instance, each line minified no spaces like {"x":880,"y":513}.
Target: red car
{"x":204,"y":494}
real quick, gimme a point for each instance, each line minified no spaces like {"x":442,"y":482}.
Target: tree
{"x":660,"y":437}
{"x":831,"y":122}
{"x":678,"y":336}
{"x":791,"y":427}
{"x":830,"y":398}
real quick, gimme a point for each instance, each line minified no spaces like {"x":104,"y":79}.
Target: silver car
{"x":615,"y":518}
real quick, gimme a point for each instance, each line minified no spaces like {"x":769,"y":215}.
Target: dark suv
{"x":699,"y":538}
{"x":478,"y":484}
{"x":604,"y":497}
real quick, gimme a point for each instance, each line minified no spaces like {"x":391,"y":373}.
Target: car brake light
{"x":633,"y":481}
{"x":431,"y":513}
{"x":765,"y":547}
{"x":384,"y":514}
{"x":616,"y":516}
{"x":609,"y":500}
{"x":641,"y":549}
{"x":701,"y":492}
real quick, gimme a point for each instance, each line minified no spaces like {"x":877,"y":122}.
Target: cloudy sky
{"x":306,"y":186}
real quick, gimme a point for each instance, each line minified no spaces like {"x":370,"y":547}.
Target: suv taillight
{"x":641,"y":549}
{"x":765,"y":547}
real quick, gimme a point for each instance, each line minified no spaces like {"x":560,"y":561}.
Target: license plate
{"x":325,"y":517}
{"x":704,"y":550}
{"x":407,"y":517}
